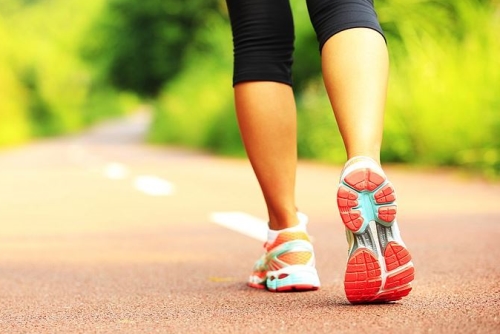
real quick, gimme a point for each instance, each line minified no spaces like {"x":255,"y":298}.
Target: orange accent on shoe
{"x":364,"y":179}
{"x":401,"y":279}
{"x":297,"y":288}
{"x":256,"y":285}
{"x":387,"y":213}
{"x":352,"y":219}
{"x":347,"y":198}
{"x":385,"y":195}
{"x":296,"y":257}
{"x":363,"y":277}
{"x":286,"y":237}
{"x":395,"y":256}
{"x":287,"y":265}
{"x":394,"y":295}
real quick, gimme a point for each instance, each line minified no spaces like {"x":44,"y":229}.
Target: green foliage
{"x":307,"y":61}
{"x":13,"y":119}
{"x":45,"y":87}
{"x":65,"y":64}
{"x":139,"y":45}
{"x":443,"y":101}
{"x":318,"y":135}
{"x":443,"y":106}
{"x":196,"y":109}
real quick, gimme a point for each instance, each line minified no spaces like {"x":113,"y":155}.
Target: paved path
{"x":102,"y":234}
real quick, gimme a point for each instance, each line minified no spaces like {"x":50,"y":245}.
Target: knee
{"x":330,"y":17}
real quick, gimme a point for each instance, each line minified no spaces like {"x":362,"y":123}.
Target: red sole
{"x":364,"y":282}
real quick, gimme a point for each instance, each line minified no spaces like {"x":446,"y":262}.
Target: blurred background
{"x":67,"y":64}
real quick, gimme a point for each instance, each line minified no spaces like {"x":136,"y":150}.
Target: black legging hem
{"x":263,"y":33}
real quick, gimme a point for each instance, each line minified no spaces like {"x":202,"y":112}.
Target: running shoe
{"x":379,"y":266}
{"x":287,"y":265}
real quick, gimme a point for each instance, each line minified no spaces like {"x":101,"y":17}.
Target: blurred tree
{"x":41,"y":116}
{"x":139,"y":45}
{"x":307,"y":64}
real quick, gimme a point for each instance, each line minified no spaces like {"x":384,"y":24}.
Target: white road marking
{"x":148,"y":184}
{"x":153,"y":185}
{"x":116,"y":171}
{"x":243,"y":223}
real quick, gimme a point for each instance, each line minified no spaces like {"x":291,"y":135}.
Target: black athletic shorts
{"x":263,"y":33}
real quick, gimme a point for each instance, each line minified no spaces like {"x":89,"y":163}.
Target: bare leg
{"x":267,"y":119}
{"x":355,"y":65}
{"x":355,"y":69}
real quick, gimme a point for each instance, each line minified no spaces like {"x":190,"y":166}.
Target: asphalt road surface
{"x":101,"y":233}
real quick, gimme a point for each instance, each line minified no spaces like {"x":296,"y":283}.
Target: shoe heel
{"x":365,"y":195}
{"x":300,"y":279}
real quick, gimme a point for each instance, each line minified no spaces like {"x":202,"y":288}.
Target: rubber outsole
{"x":289,"y":279}
{"x":379,"y":268}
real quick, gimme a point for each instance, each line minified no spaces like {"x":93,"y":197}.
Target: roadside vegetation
{"x":46,"y":86}
{"x":67,"y":64}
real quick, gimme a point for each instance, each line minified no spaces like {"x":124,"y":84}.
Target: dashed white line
{"x":243,"y":223}
{"x":153,"y":185}
{"x":148,"y":184}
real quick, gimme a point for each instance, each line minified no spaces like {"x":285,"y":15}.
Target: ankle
{"x":300,"y":227}
{"x":354,"y":159}
{"x":283,"y":220}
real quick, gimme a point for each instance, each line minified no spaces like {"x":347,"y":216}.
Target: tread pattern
{"x":365,"y":182}
{"x":363,"y":281}
{"x":364,"y":179}
{"x":363,"y":277}
{"x":379,"y":269}
{"x":395,"y":256}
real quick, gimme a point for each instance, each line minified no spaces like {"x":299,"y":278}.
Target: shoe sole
{"x":288,"y":279}
{"x":379,"y":268}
